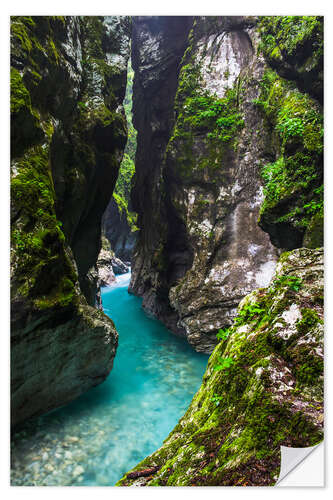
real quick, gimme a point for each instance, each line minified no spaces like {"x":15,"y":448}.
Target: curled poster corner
{"x":292,"y":457}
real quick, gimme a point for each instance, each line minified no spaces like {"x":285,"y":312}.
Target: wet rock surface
{"x":263,"y":388}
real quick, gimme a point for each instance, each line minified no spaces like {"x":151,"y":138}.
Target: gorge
{"x":222,"y":221}
{"x":94,"y":440}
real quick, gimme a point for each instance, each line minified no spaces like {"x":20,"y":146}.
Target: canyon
{"x":221,"y":221}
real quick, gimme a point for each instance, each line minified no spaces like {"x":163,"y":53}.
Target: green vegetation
{"x":122,"y":190}
{"x":293,"y":282}
{"x":37,"y":241}
{"x":290,"y":35}
{"x":202,"y":117}
{"x":223,"y":363}
{"x":249,"y":312}
{"x":293,"y":183}
{"x":20,"y":97}
{"x":216,"y":399}
{"x":223,"y":334}
{"x":219,"y":116}
{"x":309,"y":319}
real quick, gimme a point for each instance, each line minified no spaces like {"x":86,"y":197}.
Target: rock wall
{"x":263,"y":388}
{"x":68,"y":132}
{"x":119,"y":221}
{"x":118,"y":230}
{"x":214,"y":156}
{"x":206,"y":250}
{"x":244,"y":153}
{"x":290,"y":100}
{"x":158,"y":45}
{"x":106,"y":274}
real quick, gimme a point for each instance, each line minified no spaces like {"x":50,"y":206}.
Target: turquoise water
{"x":96,"y":439}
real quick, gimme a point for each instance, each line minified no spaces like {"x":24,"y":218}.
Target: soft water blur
{"x":100,"y":436}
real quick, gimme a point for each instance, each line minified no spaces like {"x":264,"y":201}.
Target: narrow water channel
{"x":100,"y":436}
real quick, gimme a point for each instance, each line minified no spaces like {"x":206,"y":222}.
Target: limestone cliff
{"x":223,"y":140}
{"x":263,"y":388}
{"x":68,"y":132}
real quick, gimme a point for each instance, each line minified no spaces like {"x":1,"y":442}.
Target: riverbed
{"x":96,"y":439}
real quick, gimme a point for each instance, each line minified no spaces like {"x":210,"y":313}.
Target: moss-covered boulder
{"x":68,"y":131}
{"x":263,"y":388}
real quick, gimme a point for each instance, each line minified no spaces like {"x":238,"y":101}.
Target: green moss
{"x":25,"y":121}
{"x":32,"y":188}
{"x":314,"y":235}
{"x":290,"y":35}
{"x":293,"y":183}
{"x":36,"y":237}
{"x":292,"y":282}
{"x":293,"y":191}
{"x":53,"y":51}
{"x":308,"y":372}
{"x":123,"y":208}
{"x":33,"y":39}
{"x":91,"y":137}
{"x":219,"y":116}
{"x":202,"y":118}
{"x":20,"y":31}
{"x":309,"y":319}
{"x":60,"y":296}
{"x":159,"y":258}
{"x":19,"y":95}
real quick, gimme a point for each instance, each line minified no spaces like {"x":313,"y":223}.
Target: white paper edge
{"x":298,"y":469}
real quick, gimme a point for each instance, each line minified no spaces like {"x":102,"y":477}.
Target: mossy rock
{"x":63,"y":170}
{"x":294,"y":181}
{"x":314,"y":235}
{"x":268,"y":394}
{"x":294,"y":46}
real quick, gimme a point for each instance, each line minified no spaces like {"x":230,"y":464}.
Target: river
{"x":96,"y":439}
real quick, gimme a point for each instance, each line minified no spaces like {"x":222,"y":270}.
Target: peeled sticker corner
{"x":310,"y":470}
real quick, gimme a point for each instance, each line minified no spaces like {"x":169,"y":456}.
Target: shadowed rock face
{"x":118,"y":231}
{"x":158,"y":45}
{"x":68,"y":78}
{"x":200,"y":249}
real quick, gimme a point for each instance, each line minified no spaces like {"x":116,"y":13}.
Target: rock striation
{"x":68,"y":132}
{"x":214,"y":155}
{"x":263,"y":388}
